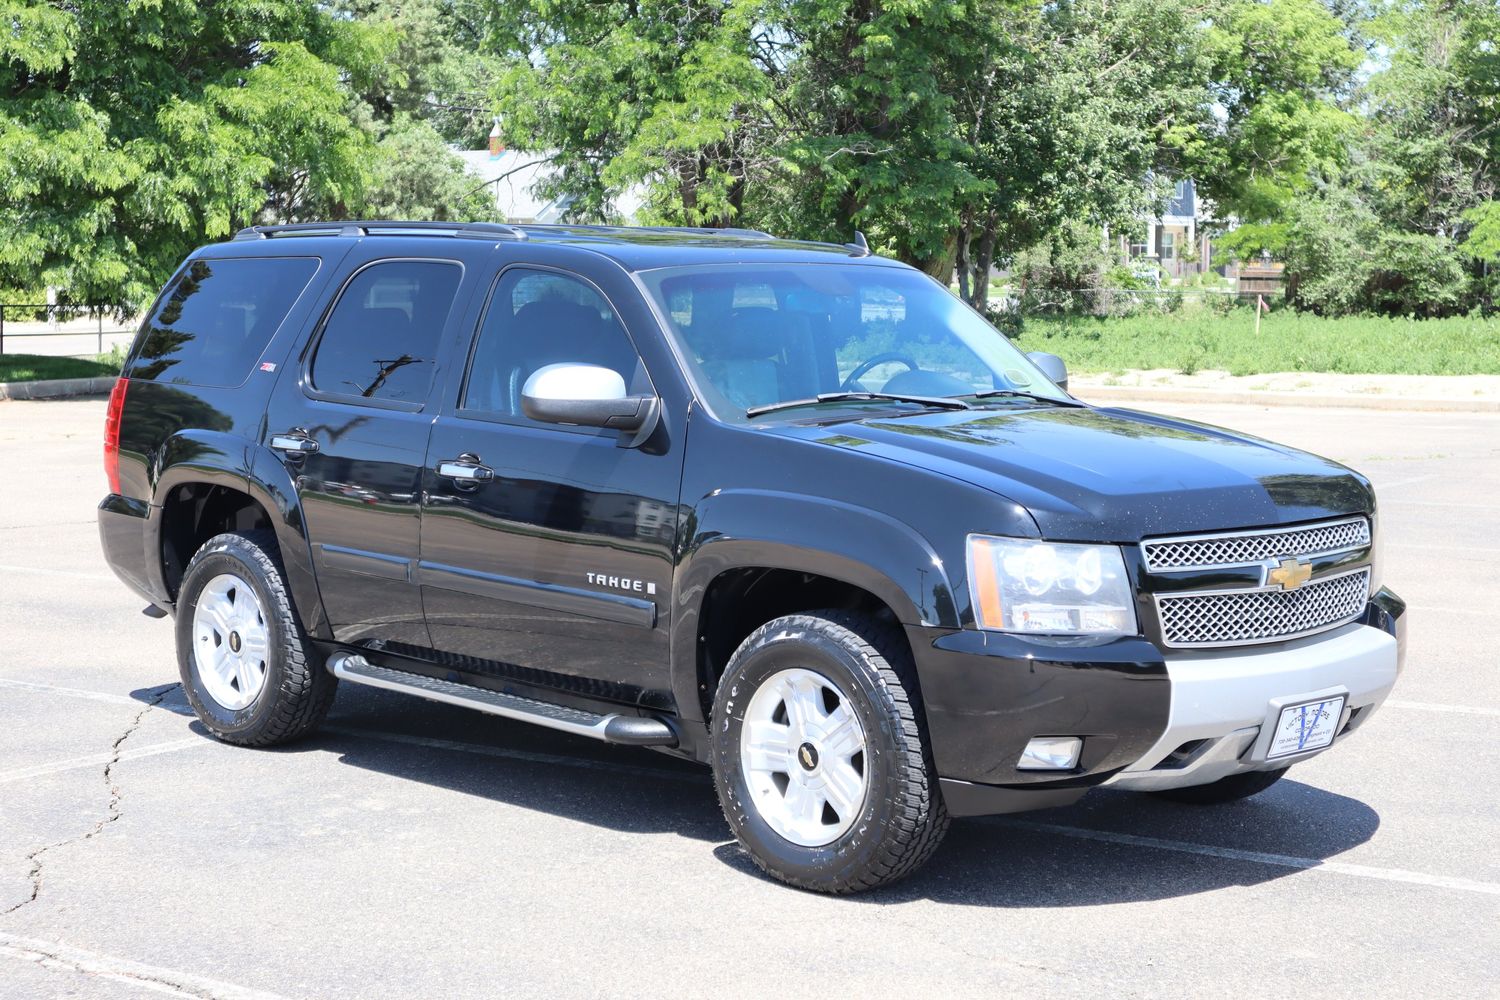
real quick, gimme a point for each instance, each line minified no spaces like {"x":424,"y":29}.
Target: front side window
{"x":538,"y":318}
{"x":216,"y":318}
{"x":381,"y":340}
{"x":761,"y":335}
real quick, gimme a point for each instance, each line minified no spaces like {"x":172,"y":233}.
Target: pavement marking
{"x":113,"y":699}
{"x":96,"y":759}
{"x":40,"y":571}
{"x":1258,"y":857}
{"x":1441,"y":503}
{"x":1427,"y":609}
{"x":173,"y":982}
{"x":1427,"y":706}
{"x":1381,"y":487}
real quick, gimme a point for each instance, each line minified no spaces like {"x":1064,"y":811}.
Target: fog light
{"x":1051,"y":753}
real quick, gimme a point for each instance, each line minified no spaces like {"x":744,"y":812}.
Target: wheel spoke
{"x":804,"y":805}
{"x":844,"y":787}
{"x":801,"y":708}
{"x":768,"y":747}
{"x":248,"y":674}
{"x":253,"y":646}
{"x":842,"y":736}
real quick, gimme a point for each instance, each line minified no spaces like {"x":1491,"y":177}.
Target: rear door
{"x":554,"y":566}
{"x":351,"y":422}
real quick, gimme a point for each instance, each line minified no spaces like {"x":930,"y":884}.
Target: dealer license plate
{"x":1308,"y":726}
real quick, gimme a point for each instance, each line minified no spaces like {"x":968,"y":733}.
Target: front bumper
{"x":1222,"y":700}
{"x":1148,"y":719}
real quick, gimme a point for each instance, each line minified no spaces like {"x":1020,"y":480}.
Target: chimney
{"x":497,"y":143}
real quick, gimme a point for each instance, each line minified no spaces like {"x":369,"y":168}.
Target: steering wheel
{"x":848,"y":385}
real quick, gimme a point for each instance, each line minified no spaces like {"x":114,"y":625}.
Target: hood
{"x":1110,"y":475}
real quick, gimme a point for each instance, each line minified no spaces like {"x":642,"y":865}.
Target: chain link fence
{"x":65,"y":330}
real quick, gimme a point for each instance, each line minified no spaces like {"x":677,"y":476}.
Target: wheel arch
{"x":757,"y":555}
{"x":208,"y":483}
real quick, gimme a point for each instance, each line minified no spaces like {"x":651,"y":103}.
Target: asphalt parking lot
{"x":413,"y":849}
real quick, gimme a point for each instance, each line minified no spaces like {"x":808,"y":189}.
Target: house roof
{"x":515,"y":175}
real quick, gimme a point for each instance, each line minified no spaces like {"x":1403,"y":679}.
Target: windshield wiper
{"x":992,"y":393}
{"x":935,"y":402}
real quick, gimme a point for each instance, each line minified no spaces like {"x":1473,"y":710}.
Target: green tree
{"x":131,"y":131}
{"x":1071,"y":115}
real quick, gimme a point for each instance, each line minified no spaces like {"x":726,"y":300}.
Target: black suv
{"x":784,"y":508}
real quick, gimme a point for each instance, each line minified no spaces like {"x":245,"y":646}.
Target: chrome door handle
{"x":466,"y":471}
{"x":296,"y":443}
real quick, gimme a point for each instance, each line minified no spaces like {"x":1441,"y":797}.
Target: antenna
{"x":860,"y":246}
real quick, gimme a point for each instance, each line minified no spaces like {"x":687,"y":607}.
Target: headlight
{"x":1048,"y":587}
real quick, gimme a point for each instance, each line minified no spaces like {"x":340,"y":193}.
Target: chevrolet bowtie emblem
{"x":1290,"y":574}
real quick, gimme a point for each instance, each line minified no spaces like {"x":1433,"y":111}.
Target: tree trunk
{"x":982,"y":265}
{"x":962,"y":262}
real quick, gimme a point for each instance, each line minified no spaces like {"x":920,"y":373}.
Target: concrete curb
{"x":1146,"y":394}
{"x":56,"y":388}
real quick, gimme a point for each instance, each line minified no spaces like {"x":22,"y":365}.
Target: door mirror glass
{"x":588,"y":396}
{"x":1052,"y":366}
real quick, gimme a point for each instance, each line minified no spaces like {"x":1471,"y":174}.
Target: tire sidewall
{"x":840,"y":862}
{"x":226,"y":556}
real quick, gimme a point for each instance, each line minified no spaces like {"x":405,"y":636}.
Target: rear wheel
{"x":820,"y":757}
{"x":1230,"y":789}
{"x":247,"y":667}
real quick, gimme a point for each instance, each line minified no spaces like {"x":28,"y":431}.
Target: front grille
{"x":1246,"y":548}
{"x":1227,"y":618}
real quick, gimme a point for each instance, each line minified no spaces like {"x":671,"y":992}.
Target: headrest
{"x":750,"y":335}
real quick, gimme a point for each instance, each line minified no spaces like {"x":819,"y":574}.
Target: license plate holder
{"x":1305,"y":725}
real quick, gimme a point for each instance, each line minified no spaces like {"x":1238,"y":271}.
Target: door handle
{"x":465,"y":470}
{"x":294,"y":443}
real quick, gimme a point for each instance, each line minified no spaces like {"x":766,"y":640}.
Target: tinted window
{"x":538,"y":318}
{"x":381,"y":340}
{"x":216,"y":318}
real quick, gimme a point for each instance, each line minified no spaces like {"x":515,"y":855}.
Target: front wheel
{"x":1230,"y":789}
{"x":247,"y":667}
{"x":819,"y":753}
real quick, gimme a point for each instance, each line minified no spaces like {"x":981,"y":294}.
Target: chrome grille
{"x":1246,"y":548}
{"x":1226,"y":618}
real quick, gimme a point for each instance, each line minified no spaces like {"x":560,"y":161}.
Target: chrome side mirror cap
{"x":589,"y":396}
{"x":1052,"y":366}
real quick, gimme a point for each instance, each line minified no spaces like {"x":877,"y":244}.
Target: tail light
{"x":112,"y":433}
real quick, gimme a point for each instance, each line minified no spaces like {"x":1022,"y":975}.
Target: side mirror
{"x":1052,"y":366}
{"x":589,"y":396}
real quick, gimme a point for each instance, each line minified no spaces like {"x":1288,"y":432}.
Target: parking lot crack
{"x":36,"y":859}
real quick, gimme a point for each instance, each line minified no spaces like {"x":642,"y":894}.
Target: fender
{"x":238,"y":463}
{"x":854,"y":545}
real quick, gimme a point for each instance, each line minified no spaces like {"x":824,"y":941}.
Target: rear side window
{"x":380,"y":341}
{"x":216,"y":318}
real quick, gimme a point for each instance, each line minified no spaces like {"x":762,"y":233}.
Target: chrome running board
{"x":631,"y":730}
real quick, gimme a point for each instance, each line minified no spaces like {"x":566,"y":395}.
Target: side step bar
{"x":632,"y":730}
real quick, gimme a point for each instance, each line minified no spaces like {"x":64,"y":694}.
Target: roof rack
{"x":465,"y":230}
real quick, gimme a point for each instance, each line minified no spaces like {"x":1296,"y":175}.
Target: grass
{"x":26,"y":367}
{"x":1198,"y":339}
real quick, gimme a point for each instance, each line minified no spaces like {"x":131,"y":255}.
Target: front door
{"x":351,"y":424}
{"x":547,"y":549}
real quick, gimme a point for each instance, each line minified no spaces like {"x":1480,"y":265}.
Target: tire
{"x":827,"y":667}
{"x":237,"y":581}
{"x":1230,"y":789}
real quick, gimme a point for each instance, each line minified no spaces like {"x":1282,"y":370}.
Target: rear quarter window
{"x":216,"y":317}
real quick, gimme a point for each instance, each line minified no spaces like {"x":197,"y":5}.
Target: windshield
{"x":758,"y":335}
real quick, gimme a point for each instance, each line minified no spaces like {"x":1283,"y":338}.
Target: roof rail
{"x":741,"y":234}
{"x":467,"y":230}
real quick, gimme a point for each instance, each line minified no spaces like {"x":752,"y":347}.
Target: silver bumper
{"x":1223,"y":701}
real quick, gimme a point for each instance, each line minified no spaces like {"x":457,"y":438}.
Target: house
{"x":514,"y":176}
{"x":1178,"y":240}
